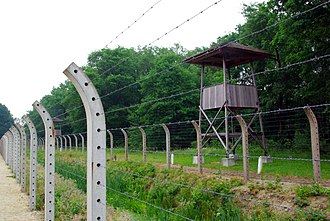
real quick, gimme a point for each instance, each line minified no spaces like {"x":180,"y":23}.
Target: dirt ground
{"x":14,"y":205}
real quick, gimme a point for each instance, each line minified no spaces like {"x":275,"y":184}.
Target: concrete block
{"x":227,"y":162}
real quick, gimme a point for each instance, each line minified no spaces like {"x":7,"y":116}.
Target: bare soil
{"x":14,"y":205}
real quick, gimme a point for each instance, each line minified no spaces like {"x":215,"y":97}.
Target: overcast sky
{"x":39,"y":39}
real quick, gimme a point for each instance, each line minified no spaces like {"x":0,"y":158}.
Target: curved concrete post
{"x":17,"y":154}
{"x":70,"y":143}
{"x":10,"y":150}
{"x":168,"y":146}
{"x":33,"y":162}
{"x":23,"y":154}
{"x":61,"y":143}
{"x":57,"y":144}
{"x":245,"y":147}
{"x":42,"y":143}
{"x":76,"y":141}
{"x":96,"y":143}
{"x":315,"y":140}
{"x":65,"y":143}
{"x":49,"y":160}
{"x":5,"y":146}
{"x":199,"y":146}
{"x":126,"y":143}
{"x":82,"y":143}
{"x":144,"y":144}
{"x":111,"y":144}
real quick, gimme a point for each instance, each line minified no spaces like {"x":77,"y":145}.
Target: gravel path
{"x":14,"y":205}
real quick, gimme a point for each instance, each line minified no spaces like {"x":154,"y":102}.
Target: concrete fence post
{"x":96,"y":143}
{"x":199,"y":146}
{"x":65,"y":143}
{"x":245,"y":146}
{"x":70,"y":143}
{"x":111,"y":144}
{"x":33,"y":162}
{"x":76,"y":141}
{"x":23,"y":156}
{"x":17,"y":154}
{"x":49,"y":160}
{"x":315,"y":140}
{"x":144,"y":144}
{"x":126,"y":143}
{"x":168,"y":146}
{"x":82,"y":143}
{"x":10,"y":150}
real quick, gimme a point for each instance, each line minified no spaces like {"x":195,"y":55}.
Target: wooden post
{"x":315,"y":140}
{"x":144,"y":144}
{"x":199,"y":146}
{"x":201,"y":95}
{"x":168,"y":146}
{"x":126,"y":143}
{"x":245,"y":146}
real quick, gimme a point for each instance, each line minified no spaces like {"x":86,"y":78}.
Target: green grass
{"x":279,"y":167}
{"x":192,"y":203}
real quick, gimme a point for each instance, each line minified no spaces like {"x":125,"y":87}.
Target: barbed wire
{"x":232,"y":196}
{"x":133,"y":23}
{"x":132,"y":197}
{"x":243,"y":37}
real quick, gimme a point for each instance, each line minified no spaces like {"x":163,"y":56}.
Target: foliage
{"x":6,"y":119}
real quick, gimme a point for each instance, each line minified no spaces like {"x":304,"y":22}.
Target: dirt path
{"x":14,"y":205}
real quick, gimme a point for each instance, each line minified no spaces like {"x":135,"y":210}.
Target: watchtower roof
{"x":234,"y":54}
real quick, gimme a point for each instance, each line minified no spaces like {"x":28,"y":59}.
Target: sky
{"x":39,"y":39}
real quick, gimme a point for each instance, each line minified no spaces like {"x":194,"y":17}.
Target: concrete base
{"x":228,"y":162}
{"x":266,"y":159}
{"x":195,"y":159}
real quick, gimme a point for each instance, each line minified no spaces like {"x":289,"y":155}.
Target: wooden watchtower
{"x":229,"y":98}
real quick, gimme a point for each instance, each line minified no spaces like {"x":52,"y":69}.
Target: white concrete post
{"x":70,"y":143}
{"x":82,"y":143}
{"x":96,"y":143}
{"x":111,"y":144}
{"x":199,"y":146}
{"x":76,"y":141}
{"x":17,"y":155}
{"x":57,"y":143}
{"x":10,"y":150}
{"x":33,"y":162}
{"x":23,"y":154}
{"x":65,"y":143}
{"x":144,"y":144}
{"x":245,"y":147}
{"x":168,"y":146}
{"x":5,"y":143}
{"x":49,"y":160}
{"x":61,"y":145}
{"x":126,"y":143}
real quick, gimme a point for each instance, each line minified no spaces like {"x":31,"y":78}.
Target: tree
{"x":6,"y":119}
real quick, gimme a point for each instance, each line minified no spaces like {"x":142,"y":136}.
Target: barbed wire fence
{"x":286,"y":132}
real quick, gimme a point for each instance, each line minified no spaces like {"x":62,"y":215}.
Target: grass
{"x":277,"y":167}
{"x":124,"y":188}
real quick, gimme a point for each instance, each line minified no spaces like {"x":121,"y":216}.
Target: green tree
{"x":6,"y":119}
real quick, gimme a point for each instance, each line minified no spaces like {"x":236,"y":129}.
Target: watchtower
{"x":229,"y":98}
